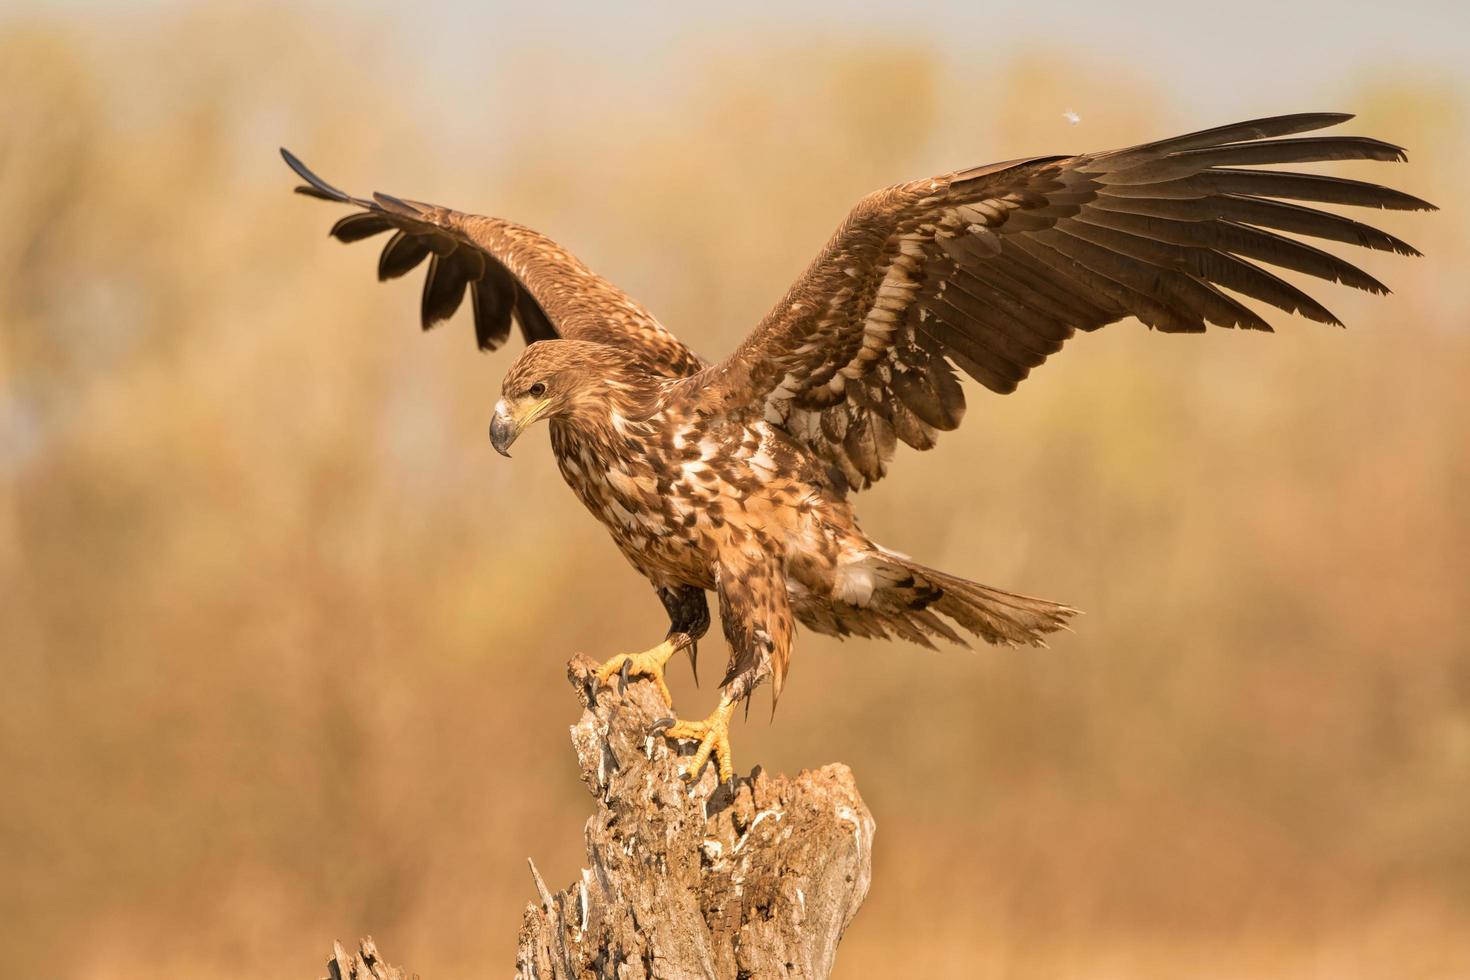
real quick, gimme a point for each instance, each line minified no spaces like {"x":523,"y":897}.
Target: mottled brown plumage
{"x":736,"y":477}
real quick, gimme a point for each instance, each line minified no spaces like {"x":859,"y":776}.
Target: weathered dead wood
{"x":708,"y":881}
{"x":365,"y":964}
{"x":754,"y":882}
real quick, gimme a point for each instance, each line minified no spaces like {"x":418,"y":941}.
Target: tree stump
{"x":754,"y":881}
{"x":748,"y":882}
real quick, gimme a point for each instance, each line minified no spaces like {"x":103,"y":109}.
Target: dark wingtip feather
{"x":317,"y":187}
{"x":396,"y":205}
{"x":401,"y":255}
{"x":359,"y":225}
{"x":1281,"y":184}
{"x":444,"y":286}
{"x":492,"y":297}
{"x":1301,"y":149}
{"x":1392,"y":152}
{"x":1249,"y":130}
{"x":1265,"y":127}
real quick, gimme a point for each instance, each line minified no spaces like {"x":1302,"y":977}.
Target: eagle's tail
{"x":993,"y":615}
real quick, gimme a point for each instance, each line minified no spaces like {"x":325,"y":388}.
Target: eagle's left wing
{"x":508,"y":271}
{"x":992,"y":269}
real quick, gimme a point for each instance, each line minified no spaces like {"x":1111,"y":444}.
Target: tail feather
{"x":882,"y":594}
{"x":994,"y":615}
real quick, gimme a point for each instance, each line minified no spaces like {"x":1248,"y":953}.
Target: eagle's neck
{"x":607,"y":420}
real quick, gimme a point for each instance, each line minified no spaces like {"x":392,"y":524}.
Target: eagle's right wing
{"x":990,"y":270}
{"x":508,"y":271}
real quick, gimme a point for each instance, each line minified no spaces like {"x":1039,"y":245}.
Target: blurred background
{"x":282,"y":639}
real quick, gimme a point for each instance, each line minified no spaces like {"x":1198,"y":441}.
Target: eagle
{"x":738,"y":476}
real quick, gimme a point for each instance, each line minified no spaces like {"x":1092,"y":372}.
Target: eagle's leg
{"x":757,"y":619}
{"x":688,"y":621}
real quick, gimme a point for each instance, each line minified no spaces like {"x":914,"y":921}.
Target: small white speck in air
{"x":1071,"y":116}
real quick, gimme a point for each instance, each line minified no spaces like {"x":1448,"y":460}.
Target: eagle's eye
{"x":538,"y":389}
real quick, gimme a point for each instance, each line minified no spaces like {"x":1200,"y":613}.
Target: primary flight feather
{"x":737,"y":477}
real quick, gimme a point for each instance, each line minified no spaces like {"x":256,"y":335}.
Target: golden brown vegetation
{"x":282,"y":639}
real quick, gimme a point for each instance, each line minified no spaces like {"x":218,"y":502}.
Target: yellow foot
{"x":649,"y":663}
{"x":713,"y":735}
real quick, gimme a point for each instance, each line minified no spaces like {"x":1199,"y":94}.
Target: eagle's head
{"x":563,"y":379}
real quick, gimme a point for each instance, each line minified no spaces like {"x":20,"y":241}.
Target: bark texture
{"x":754,"y":881}
{"x":748,"y":882}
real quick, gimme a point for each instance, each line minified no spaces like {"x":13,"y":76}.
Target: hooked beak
{"x":508,"y":422}
{"x":503,"y":429}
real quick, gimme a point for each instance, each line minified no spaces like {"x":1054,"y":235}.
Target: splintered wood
{"x":363,"y":964}
{"x":703,"y":881}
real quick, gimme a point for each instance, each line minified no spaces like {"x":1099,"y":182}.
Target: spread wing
{"x":991,"y":270}
{"x":510,"y":272}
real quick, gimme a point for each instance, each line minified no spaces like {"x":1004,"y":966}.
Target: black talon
{"x":626,"y":675}
{"x":660,"y":726}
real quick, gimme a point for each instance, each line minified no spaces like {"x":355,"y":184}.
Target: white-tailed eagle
{"x":737,"y":477}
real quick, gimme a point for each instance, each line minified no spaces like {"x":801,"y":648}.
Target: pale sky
{"x":1224,"y":56}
